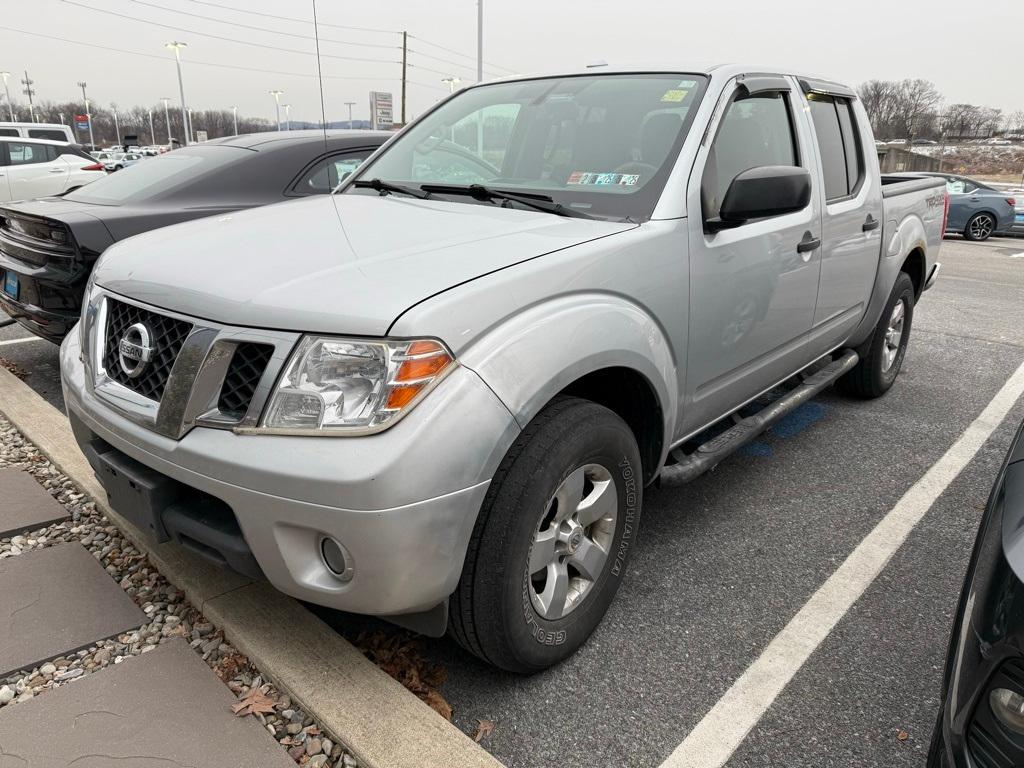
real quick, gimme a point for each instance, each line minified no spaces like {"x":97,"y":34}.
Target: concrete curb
{"x":368,"y":712}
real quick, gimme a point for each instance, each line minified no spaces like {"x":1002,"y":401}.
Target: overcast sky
{"x":968,"y":61}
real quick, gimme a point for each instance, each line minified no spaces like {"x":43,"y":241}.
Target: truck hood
{"x":346,"y":263}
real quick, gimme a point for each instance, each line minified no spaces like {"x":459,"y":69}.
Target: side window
{"x":26,"y":154}
{"x":8,"y":131}
{"x":329,"y":172}
{"x":955,"y":186}
{"x":52,"y":152}
{"x":42,"y":133}
{"x":841,"y":155}
{"x":754,"y":132}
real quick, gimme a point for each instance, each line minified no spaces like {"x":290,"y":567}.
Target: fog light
{"x":1008,"y":707}
{"x":337,"y":559}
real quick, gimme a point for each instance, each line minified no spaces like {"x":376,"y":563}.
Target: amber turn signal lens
{"x":401,"y":396}
{"x":422,"y":368}
{"x":423,"y":348}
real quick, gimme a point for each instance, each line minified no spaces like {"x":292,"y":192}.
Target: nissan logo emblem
{"x":134,"y":351}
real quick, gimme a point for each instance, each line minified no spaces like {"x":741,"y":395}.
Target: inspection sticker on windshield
{"x":603,"y":179}
{"x":675,"y":94}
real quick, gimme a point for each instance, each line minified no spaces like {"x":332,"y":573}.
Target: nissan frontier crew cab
{"x":439,"y":394}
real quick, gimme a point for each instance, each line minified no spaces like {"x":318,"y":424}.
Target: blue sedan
{"x":977,"y":210}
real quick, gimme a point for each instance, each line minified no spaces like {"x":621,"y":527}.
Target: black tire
{"x":870,"y":377}
{"x":980,"y":227}
{"x":492,"y":613}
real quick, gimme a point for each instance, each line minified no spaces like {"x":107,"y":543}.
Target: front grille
{"x":243,"y":376}
{"x":168,"y":335}
{"x":986,"y":749}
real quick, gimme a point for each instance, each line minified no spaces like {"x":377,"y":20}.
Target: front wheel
{"x":881,"y":356}
{"x":980,"y":227}
{"x":552,"y":540}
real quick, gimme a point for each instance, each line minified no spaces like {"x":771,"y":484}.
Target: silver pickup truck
{"x":438,"y":395}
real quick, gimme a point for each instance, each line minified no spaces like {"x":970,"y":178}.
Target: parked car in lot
{"x":35,"y":167}
{"x":438,"y":394}
{"x":981,"y":720}
{"x":48,"y":246}
{"x":976,"y":210}
{"x":1017,"y":228}
{"x":121,"y":160}
{"x":49,"y":131}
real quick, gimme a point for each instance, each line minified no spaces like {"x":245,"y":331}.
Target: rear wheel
{"x":881,"y":356}
{"x":980,"y":227}
{"x":552,"y":539}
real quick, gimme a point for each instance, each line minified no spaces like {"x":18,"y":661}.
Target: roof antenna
{"x":320,"y":76}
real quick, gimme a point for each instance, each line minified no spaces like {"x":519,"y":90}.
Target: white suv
{"x":38,"y":168}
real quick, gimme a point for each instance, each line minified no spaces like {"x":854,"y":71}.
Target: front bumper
{"x":402,"y":502}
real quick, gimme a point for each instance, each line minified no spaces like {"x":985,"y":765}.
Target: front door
{"x":752,"y":292}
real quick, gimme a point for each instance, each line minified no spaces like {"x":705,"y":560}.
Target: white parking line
{"x":8,"y":342}
{"x":727,"y":724}
{"x":1017,"y":255}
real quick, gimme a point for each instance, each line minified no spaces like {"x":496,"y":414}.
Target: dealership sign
{"x":381,"y":112}
{"x":82,"y":122}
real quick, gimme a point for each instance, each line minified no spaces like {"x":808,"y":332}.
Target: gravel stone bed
{"x":170,"y":615}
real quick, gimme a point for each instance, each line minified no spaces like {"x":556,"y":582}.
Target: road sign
{"x":381,"y":111}
{"x":200,"y":136}
{"x":82,"y":122}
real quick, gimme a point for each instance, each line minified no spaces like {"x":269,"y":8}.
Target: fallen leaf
{"x":902,"y":735}
{"x":398,"y":654}
{"x":483,"y":728}
{"x":438,"y":703}
{"x":254,"y":702}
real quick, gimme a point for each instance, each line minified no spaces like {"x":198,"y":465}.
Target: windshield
{"x":158,"y":175}
{"x":598,"y":144}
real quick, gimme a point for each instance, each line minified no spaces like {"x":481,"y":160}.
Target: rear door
{"x":35,"y":170}
{"x":852,"y":215}
{"x":752,"y":292}
{"x":5,"y":186}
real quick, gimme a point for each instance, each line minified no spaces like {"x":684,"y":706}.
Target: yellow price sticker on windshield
{"x":676,"y":94}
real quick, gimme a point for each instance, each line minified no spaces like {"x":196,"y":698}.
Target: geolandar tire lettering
{"x":553,"y":539}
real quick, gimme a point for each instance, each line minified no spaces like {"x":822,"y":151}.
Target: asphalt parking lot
{"x":727,"y":561}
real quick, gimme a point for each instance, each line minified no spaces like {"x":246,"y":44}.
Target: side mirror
{"x":758,"y":193}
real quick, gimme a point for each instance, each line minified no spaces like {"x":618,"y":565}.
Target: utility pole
{"x":191,"y":128}
{"x":479,"y":40}
{"x":176,"y":46}
{"x":167,"y":117}
{"x":405,"y":52}
{"x":10,"y":104}
{"x":234,"y":115}
{"x":152,"y":135}
{"x":117,"y":126}
{"x":277,"y":100}
{"x":349,"y":104}
{"x":27,"y":82}
{"x":88,"y":115}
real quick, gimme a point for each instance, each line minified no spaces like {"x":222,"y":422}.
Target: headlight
{"x":335,"y":385}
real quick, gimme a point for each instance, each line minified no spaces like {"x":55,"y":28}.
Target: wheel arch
{"x":914,"y":265}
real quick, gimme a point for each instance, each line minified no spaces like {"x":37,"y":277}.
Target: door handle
{"x":809,"y":243}
{"x":870,"y":223}
{"x":56,"y":170}
{"x":975,"y":199}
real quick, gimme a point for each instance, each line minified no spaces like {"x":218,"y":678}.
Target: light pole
{"x":234,"y":116}
{"x":277,"y":100}
{"x":191,"y":128}
{"x":152,"y":136}
{"x":349,"y":104}
{"x":287,"y":116}
{"x":88,"y":114}
{"x":10,"y":104}
{"x":117,"y":127}
{"x":167,"y":117}
{"x":479,"y":40}
{"x":176,"y":46}
{"x":451,"y":82}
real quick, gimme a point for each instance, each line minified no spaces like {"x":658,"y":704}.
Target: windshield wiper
{"x":386,"y":187}
{"x":535,"y":201}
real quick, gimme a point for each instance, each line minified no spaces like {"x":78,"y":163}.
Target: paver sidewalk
{"x":97,"y":672}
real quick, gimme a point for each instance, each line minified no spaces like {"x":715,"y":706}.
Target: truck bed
{"x":903,"y":183}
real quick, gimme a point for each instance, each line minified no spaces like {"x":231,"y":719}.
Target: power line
{"x":226,"y":39}
{"x":467,"y":67}
{"x":193,"y":62}
{"x":264,"y":29}
{"x":292,"y":18}
{"x":460,"y":53}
